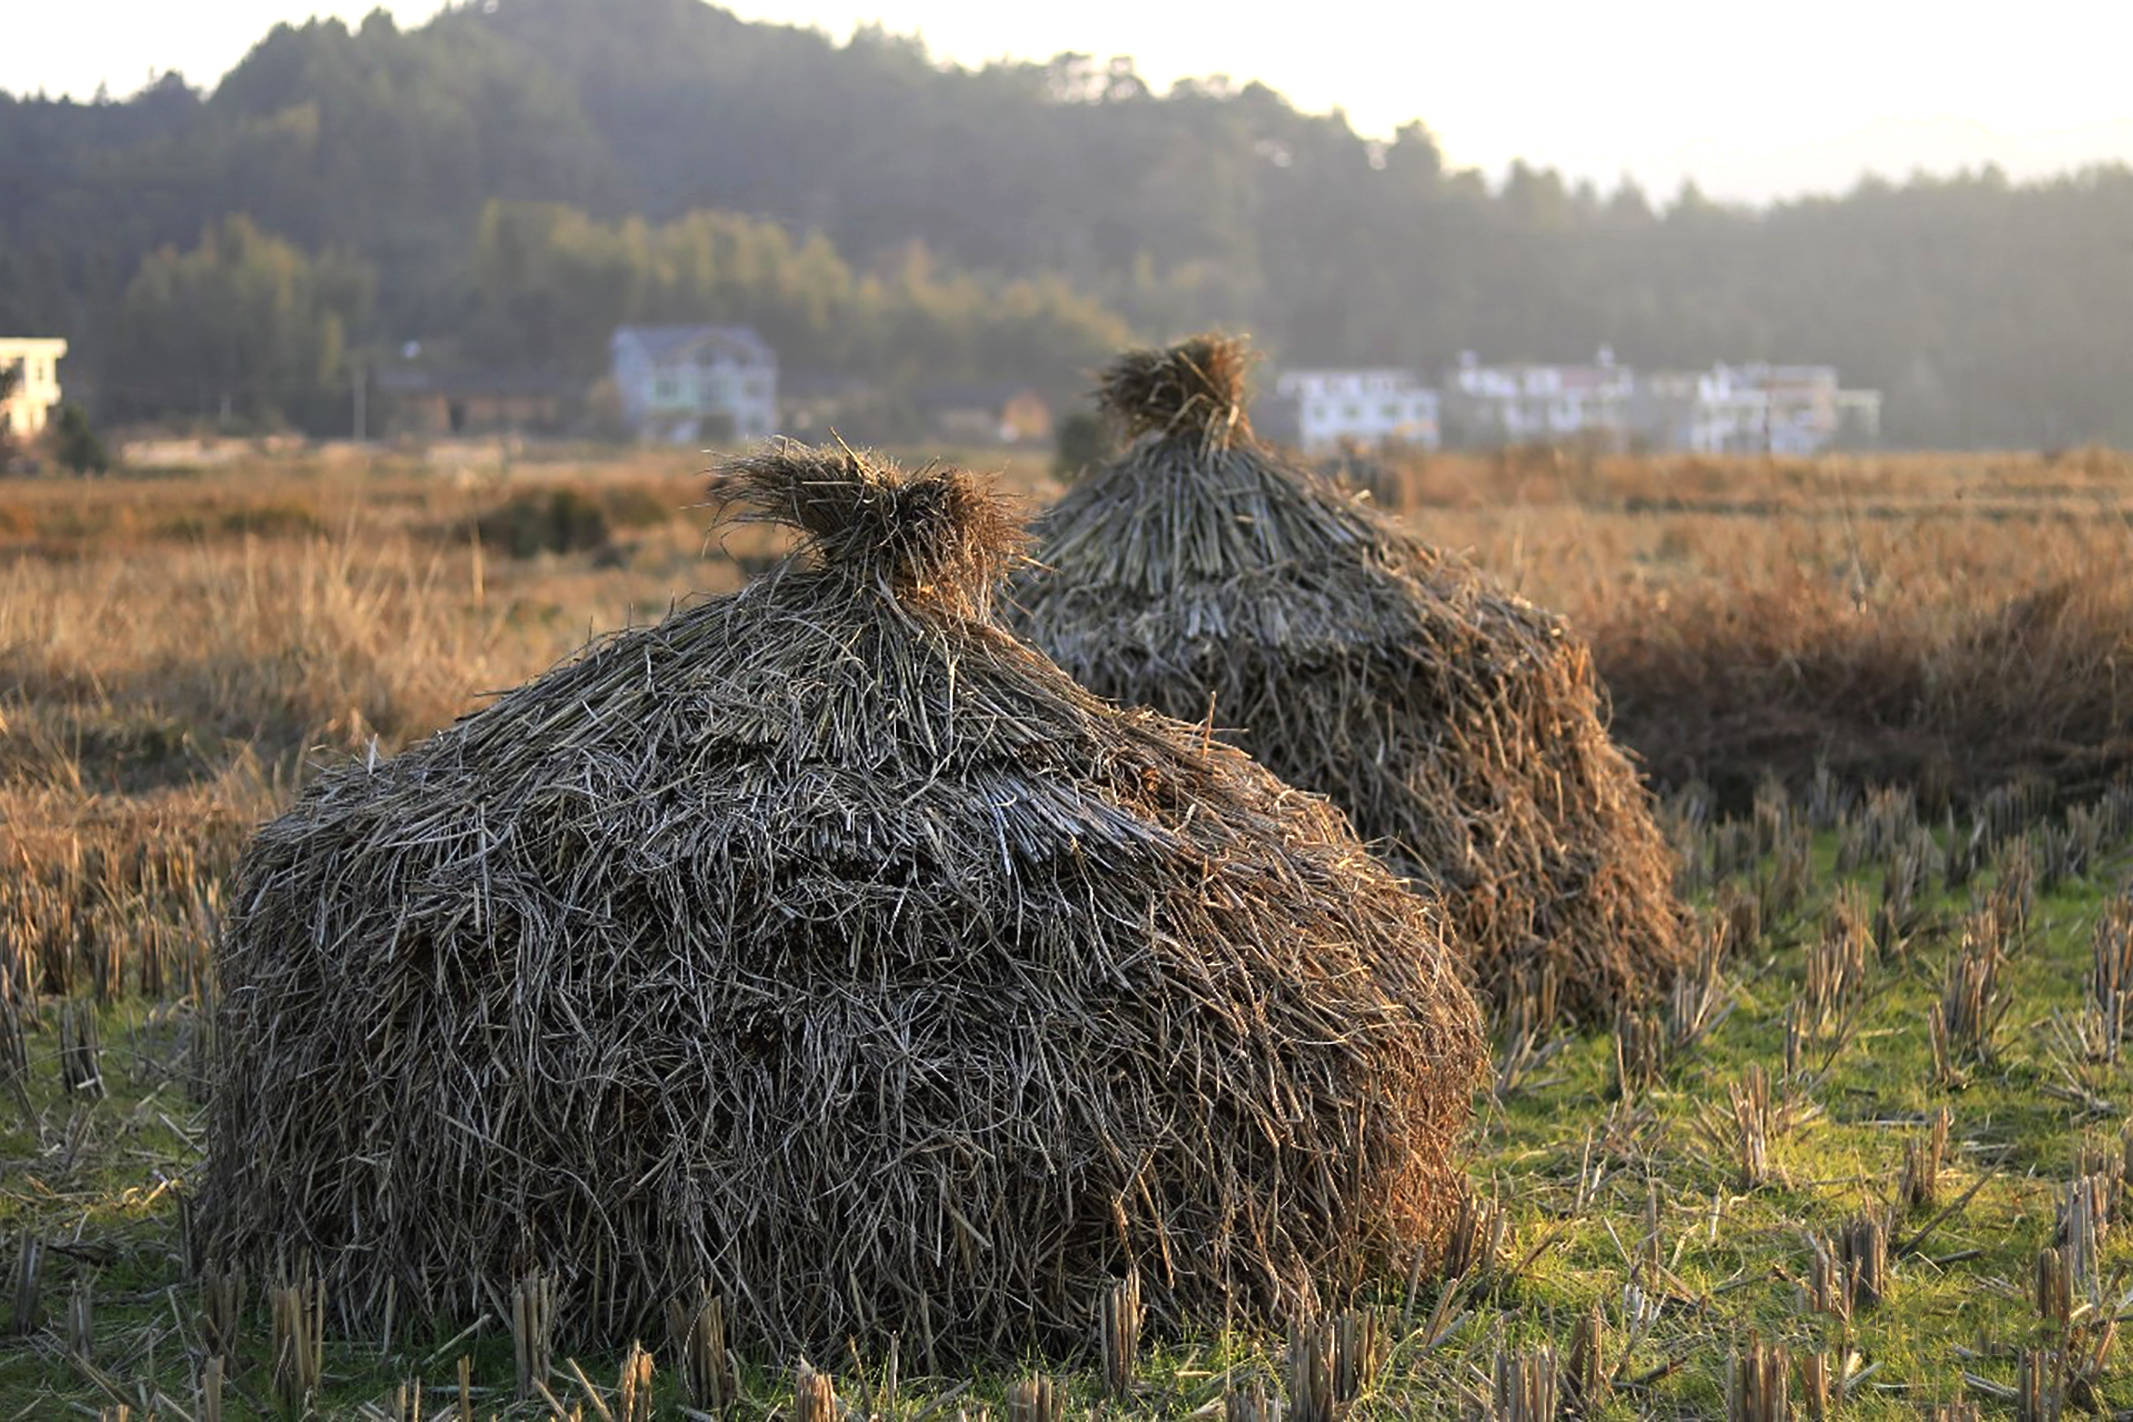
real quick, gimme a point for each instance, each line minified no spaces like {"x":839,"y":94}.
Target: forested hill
{"x":513,"y":178}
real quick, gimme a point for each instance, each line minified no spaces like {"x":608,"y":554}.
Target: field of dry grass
{"x":1950,"y":623}
{"x":1763,"y":1165}
{"x":1889,"y":616}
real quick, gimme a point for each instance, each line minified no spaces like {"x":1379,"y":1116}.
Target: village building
{"x":1366,"y":408}
{"x":684,"y":384}
{"x":1701,"y":412}
{"x":1524,"y":403}
{"x":439,"y":403}
{"x":31,"y":388}
{"x":997,"y":412}
{"x":1755,"y":408}
{"x":1803,"y":405}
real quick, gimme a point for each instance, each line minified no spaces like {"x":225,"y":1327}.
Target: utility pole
{"x":360,"y":379}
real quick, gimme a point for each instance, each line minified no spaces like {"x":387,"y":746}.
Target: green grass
{"x":1574,"y":1169}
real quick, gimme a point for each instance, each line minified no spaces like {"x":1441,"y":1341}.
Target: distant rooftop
{"x":667,"y":343}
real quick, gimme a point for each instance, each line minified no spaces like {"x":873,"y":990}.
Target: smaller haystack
{"x":1207,"y":576}
{"x":825,"y":942}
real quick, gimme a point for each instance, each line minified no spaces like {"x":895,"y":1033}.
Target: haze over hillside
{"x":1753,"y":109}
{"x":508,"y":184}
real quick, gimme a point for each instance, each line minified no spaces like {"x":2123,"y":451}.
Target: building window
{"x":1390,"y":411}
{"x":666,"y":388}
{"x":1352,"y":412}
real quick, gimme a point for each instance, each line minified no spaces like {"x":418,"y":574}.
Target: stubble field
{"x":1875,"y":1147}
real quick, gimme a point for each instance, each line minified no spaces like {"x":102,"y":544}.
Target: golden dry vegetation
{"x":179,"y":648}
{"x":172,"y":631}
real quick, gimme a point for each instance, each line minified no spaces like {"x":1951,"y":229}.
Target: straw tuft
{"x":937,"y":534}
{"x":1193,"y":390}
{"x":824,"y":950}
{"x":1460,"y":727}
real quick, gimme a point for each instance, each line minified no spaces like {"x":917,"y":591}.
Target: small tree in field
{"x":1083,"y":440}
{"x":75,"y":445}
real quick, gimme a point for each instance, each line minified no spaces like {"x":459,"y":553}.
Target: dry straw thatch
{"x":1204,"y":575}
{"x":826,"y":943}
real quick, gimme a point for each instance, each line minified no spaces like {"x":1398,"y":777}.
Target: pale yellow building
{"x":28,"y":401}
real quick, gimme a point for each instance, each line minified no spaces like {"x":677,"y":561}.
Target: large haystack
{"x":1204,"y":575}
{"x":826,"y":942}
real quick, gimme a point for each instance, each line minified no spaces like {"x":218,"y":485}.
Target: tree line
{"x":510,"y":180}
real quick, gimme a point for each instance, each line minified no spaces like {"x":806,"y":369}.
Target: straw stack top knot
{"x":1194,"y":388}
{"x":938,"y":534}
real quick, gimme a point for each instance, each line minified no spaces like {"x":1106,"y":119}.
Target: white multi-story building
{"x":1370,"y":408}
{"x":1757,"y":408}
{"x":1702,"y":411}
{"x":1526,"y":403}
{"x":1753,"y":408}
{"x":680,"y":384}
{"x":1803,"y":405}
{"x":33,"y":389}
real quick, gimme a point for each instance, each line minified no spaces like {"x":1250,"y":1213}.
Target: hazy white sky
{"x":1753,"y":101}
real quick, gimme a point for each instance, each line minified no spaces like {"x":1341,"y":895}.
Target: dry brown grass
{"x":129,"y":661}
{"x":1889,"y":615}
{"x":1605,"y":1205}
{"x":180,"y":650}
{"x":1955,"y":698}
{"x":1946,"y":622}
